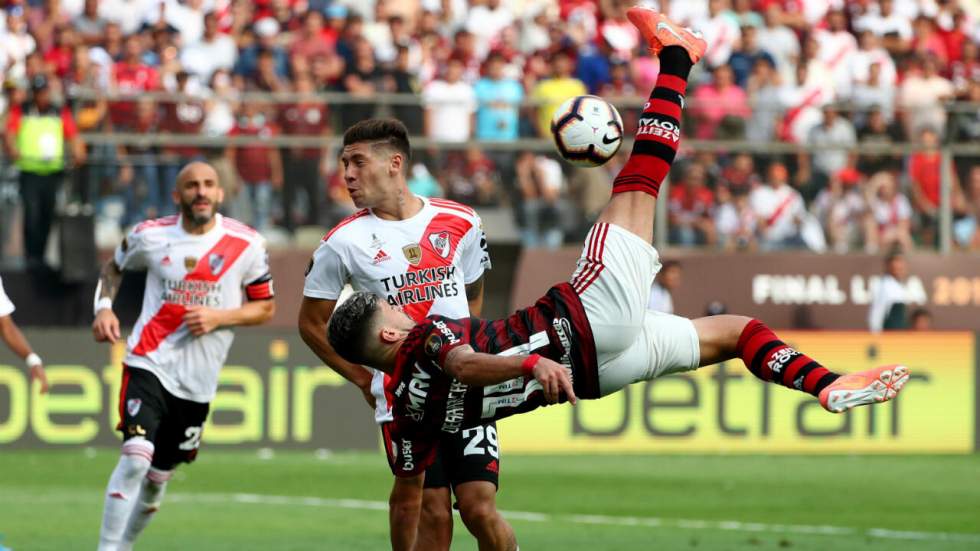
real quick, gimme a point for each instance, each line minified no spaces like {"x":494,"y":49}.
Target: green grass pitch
{"x":235,"y":500}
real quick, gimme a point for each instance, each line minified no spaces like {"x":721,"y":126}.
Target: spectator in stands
{"x":893,"y":29}
{"x":740,"y":176}
{"x":780,"y":210}
{"x":130,"y":77}
{"x":926,"y":41}
{"x":735,"y":221}
{"x":966,"y":230}
{"x":549,"y":93}
{"x":690,"y":209}
{"x":889,"y":297}
{"x":964,"y":123}
{"x":181,"y":117}
{"x":664,"y":285}
{"x":486,"y":20}
{"x":301,"y":165}
{"x":450,"y":105}
{"x":541,"y":181}
{"x":836,"y":48}
{"x":313,"y":39}
{"x":362,"y":79}
{"x":965,"y":71}
{"x":423,"y":183}
{"x":747,"y":55}
{"x":147,"y":195}
{"x":259,"y":165}
{"x":925,"y":176}
{"x":834,"y":137}
{"x":470,"y":177}
{"x":214,"y":51}
{"x":921,"y":97}
{"x":890,"y":215}
{"x":877,"y":131}
{"x":402,"y":78}
{"x":90,"y":25}
{"x":498,"y":98}
{"x":721,"y":32}
{"x":767,"y":97}
{"x":780,"y":42}
{"x":920,"y":320}
{"x":840,"y":209}
{"x":720,"y":108}
{"x":266,"y":78}
{"x":266,"y":32}
{"x":872,"y":94}
{"x":36,"y":137}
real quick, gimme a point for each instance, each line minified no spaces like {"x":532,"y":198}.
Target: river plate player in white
{"x":424,"y":256}
{"x":585,"y":338}
{"x":205,"y":273}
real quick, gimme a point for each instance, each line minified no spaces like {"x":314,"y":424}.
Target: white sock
{"x":123,"y":490}
{"x":148,"y":503}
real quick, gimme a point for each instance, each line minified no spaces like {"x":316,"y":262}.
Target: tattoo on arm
{"x":109,"y":279}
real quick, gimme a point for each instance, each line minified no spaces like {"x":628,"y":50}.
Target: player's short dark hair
{"x":350,"y":326}
{"x":380,"y":132}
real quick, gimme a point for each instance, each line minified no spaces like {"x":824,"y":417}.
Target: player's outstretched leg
{"x":636,"y":187}
{"x":770,"y":359}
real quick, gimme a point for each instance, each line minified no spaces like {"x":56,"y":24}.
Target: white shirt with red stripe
{"x":422,"y":264}
{"x":218,"y":269}
{"x":6,"y":306}
{"x":780,"y":209}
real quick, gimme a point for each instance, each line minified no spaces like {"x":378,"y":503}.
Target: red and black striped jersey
{"x":426,"y":401}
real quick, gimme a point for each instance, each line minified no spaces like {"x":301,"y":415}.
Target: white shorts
{"x":613,"y":280}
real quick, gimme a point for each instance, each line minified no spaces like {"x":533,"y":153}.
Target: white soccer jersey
{"x":421,"y":264}
{"x":6,"y":307}
{"x":216,"y":270}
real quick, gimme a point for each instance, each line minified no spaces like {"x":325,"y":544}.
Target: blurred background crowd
{"x":817,"y":124}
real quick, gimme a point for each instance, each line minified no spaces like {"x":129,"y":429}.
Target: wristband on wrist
{"x":102,"y":304}
{"x":33,"y":360}
{"x":527,"y":368}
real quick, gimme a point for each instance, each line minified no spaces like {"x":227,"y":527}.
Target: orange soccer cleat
{"x":660,"y":32}
{"x":864,"y":387}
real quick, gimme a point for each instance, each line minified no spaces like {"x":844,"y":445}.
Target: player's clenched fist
{"x":201,"y":320}
{"x":106,"y":326}
{"x":554,"y":379}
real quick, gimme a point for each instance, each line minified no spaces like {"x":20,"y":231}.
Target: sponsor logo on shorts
{"x":408,"y":458}
{"x":493,"y":467}
{"x":133,"y":406}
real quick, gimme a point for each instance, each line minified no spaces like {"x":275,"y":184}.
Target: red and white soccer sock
{"x":659,"y":131}
{"x":772,"y":360}
{"x":147,"y":504}
{"x":122,"y":491}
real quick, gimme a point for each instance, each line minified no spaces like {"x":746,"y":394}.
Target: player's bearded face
{"x":199,"y":203}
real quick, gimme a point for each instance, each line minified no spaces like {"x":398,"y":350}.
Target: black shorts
{"x":172,"y":424}
{"x":470,"y":455}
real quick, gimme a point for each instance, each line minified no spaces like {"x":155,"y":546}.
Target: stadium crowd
{"x":810,"y":72}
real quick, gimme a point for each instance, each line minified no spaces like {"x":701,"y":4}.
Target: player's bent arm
{"x":479,"y":369}
{"x":253,"y":312}
{"x":404,"y":510}
{"x":314,"y":314}
{"x":474,"y":297}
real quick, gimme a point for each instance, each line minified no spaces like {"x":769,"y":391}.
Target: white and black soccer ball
{"x":588,"y":130}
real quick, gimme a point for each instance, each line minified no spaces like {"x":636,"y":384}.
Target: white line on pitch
{"x":653,"y":522}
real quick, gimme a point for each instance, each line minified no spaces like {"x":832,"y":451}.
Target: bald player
{"x":206,"y":274}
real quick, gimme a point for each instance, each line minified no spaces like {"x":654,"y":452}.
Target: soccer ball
{"x":587,"y":130}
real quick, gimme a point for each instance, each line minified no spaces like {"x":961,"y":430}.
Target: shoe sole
{"x":650,"y":22}
{"x":885,"y":387}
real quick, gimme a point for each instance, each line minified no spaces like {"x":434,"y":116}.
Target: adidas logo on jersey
{"x":380,"y":257}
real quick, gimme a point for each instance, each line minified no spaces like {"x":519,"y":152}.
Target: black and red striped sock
{"x":659,"y":131}
{"x":772,"y":360}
